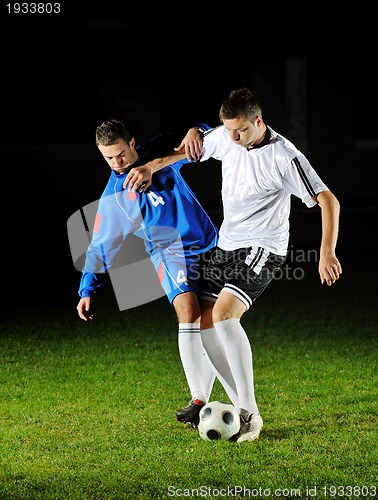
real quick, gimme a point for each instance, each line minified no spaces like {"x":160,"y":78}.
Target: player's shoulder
{"x":215,"y":134}
{"x":281,"y":141}
{"x":216,"y":137}
{"x":215,"y":130}
{"x":157,"y":146}
{"x":109,"y":188}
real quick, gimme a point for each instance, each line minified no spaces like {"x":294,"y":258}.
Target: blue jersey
{"x":168,"y":217}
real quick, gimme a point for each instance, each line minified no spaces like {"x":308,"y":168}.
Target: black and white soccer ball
{"x":218,"y":421}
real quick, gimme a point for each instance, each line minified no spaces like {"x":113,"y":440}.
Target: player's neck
{"x":261,"y":140}
{"x":262,"y":135}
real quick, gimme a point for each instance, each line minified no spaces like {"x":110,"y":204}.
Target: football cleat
{"x":250,"y":427}
{"x":190,"y":414}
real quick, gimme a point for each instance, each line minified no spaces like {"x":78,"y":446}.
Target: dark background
{"x":161,"y":69}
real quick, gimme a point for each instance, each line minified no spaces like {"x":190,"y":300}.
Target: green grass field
{"x":88,"y":409}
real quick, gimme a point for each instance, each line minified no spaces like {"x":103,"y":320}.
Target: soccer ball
{"x":218,"y":421}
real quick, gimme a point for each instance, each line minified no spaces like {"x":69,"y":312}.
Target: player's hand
{"x":139,"y":178}
{"x":192,"y":145}
{"x":329,"y":269}
{"x":83,"y":309}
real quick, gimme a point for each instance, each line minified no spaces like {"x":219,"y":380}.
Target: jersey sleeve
{"x":162,"y":144}
{"x":204,"y":126}
{"x":90,"y":283}
{"x":212,"y":143}
{"x":113,"y":224}
{"x":302,"y":180}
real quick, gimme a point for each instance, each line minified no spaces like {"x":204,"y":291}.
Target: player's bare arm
{"x":329,"y":266}
{"x":83,"y":308}
{"x":140,"y":178}
{"x":192,"y":144}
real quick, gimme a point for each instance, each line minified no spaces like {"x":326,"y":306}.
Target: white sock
{"x":239,"y":356}
{"x":215,"y":350}
{"x":208,"y":376}
{"x":197,"y":368}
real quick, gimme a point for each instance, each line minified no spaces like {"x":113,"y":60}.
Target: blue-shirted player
{"x":177,"y":232}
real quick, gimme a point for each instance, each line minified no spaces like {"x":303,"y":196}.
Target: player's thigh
{"x":228,"y":306}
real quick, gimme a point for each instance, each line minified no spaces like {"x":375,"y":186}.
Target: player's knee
{"x":221,"y":311}
{"x":187,"y":308}
{"x":224,"y":311}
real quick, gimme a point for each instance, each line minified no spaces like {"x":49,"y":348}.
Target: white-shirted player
{"x":260,"y":171}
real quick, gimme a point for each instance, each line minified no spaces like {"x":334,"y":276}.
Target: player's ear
{"x":132,"y":143}
{"x":258,"y":121}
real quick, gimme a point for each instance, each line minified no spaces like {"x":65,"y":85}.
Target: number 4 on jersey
{"x":155,"y":199}
{"x":181,"y":277}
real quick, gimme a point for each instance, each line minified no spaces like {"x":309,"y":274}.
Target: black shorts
{"x":244,"y":272}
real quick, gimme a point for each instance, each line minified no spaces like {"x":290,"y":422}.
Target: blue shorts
{"x":179,"y":274}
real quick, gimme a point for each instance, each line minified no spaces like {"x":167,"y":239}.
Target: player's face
{"x":119,"y":156}
{"x":242,"y":131}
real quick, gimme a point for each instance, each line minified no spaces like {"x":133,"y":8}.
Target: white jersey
{"x":256,"y":188}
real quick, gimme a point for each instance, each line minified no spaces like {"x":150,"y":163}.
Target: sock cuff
{"x":225,"y":322}
{"x":208,"y":330}
{"x":189,"y":327}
